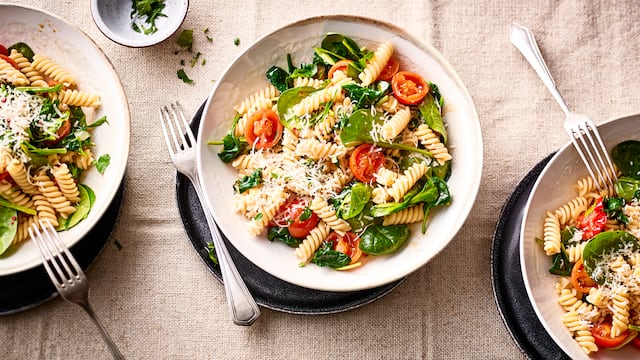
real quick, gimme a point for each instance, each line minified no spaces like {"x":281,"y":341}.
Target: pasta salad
{"x":45,"y":145}
{"x":593,"y":243}
{"x":335,"y":157}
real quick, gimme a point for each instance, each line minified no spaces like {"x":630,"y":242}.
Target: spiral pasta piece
{"x":313,"y":102}
{"x":306,"y":81}
{"x":53,"y":194}
{"x":396,"y":124}
{"x":312,"y":242}
{"x":78,"y":98}
{"x":325,"y":127}
{"x":262,"y":99}
{"x":9,"y":74}
{"x":580,"y":330}
{"x":34,"y":76}
{"x":407,"y":216}
{"x":45,"y":209}
{"x":551,"y":234}
{"x":327,"y":213}
{"x":66,"y":182}
{"x":432,"y":142}
{"x":315,"y":149}
{"x":15,"y":195}
{"x":267,"y":212}
{"x":385,"y":177}
{"x":46,"y":66}
{"x":407,"y":180}
{"x":19,"y":174}
{"x":568,"y":212}
{"x":620,"y":308}
{"x":375,"y":65}
{"x":575,"y":251}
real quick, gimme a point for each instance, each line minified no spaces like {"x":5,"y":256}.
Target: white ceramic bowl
{"x":245,"y":76}
{"x":113,"y":18}
{"x":69,"y":47}
{"x":554,"y":187}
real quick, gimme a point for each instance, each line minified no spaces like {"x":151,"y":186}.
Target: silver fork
{"x":581,"y":129}
{"x":182,"y":148}
{"x":66,"y":274}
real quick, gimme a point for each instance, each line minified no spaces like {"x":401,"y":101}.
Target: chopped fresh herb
{"x":102,"y":163}
{"x":183,"y":76}
{"x":146,"y":11}
{"x":211,"y":248}
{"x":236,"y":41}
{"x":185,"y":40}
{"x":249,"y":181}
{"x":258,"y":217}
{"x":204,"y":61}
{"x":181,"y":62}
{"x":194,"y":60}
{"x":117,"y":244}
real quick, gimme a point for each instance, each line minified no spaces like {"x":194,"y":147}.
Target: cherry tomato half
{"x":389,"y":70}
{"x":3,"y":50}
{"x":348,"y":244}
{"x":592,"y":221}
{"x":10,"y":61}
{"x":580,"y":278}
{"x":342,"y":65}
{"x":636,"y":342}
{"x":409,"y":88}
{"x":296,"y":215}
{"x":602,"y":335}
{"x":365,"y":160}
{"x":263,"y":129}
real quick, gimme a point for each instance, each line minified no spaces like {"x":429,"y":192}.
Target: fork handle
{"x":243,"y":307}
{"x":103,"y":332}
{"x":522,"y":38}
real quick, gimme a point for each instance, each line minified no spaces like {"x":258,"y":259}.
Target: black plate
{"x":30,"y":288}
{"x":269,"y":291}
{"x":508,"y":284}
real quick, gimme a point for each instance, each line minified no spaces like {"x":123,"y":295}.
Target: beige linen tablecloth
{"x":159,"y":301}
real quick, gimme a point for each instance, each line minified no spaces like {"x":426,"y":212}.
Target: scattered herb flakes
{"x":206,"y":34}
{"x":183,"y":76}
{"x":236,"y":41}
{"x":181,"y":62}
{"x":195,"y":58}
{"x":117,"y":244}
{"x":185,"y":40}
{"x":212,"y":253}
{"x":146,"y":11}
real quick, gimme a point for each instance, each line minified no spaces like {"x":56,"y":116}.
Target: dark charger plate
{"x":30,"y":288}
{"x":508,"y":284}
{"x":269,"y":291}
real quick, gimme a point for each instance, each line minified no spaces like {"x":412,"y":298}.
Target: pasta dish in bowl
{"x":61,"y":103}
{"x":332,"y":135}
{"x":580,"y":253}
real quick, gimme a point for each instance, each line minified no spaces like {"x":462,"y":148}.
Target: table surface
{"x":159,"y":300}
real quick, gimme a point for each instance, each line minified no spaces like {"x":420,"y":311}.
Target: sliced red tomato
{"x":341,"y":65}
{"x":389,"y":70}
{"x":263,"y":129}
{"x":296,"y":215}
{"x":63,"y":131}
{"x":409,"y":88}
{"x":5,"y":176}
{"x":592,"y":221}
{"x":365,"y":160}
{"x":10,"y":61}
{"x":636,"y":342}
{"x":3,"y":50}
{"x":602,"y":335}
{"x":348,"y":244}
{"x":580,"y":278}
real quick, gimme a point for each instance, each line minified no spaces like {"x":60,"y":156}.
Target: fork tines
{"x":587,"y":141}
{"x":54,"y":253}
{"x":174,"y":123}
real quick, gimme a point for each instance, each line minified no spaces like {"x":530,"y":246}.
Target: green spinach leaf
{"x":628,"y":188}
{"x":287,"y":101}
{"x":382,"y":240}
{"x":601,"y":245}
{"x":364,"y":96}
{"x":23,"y":49}
{"x":626,"y":156}
{"x":248,"y":181}
{"x":8,"y":227}
{"x":279,"y":78}
{"x":430,"y":111}
{"x":325,"y":256}
{"x":354,"y":200}
{"x":282,"y":234}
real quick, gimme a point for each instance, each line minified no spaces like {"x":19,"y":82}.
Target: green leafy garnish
{"x":211,"y":249}
{"x":185,"y":39}
{"x":232,"y":146}
{"x":8,"y":227}
{"x":325,"y":256}
{"x":282,"y":234}
{"x":147,"y":11}
{"x":382,"y":240}
{"x":102,"y":163}
{"x":236,"y":41}
{"x":606,"y":244}
{"x":183,"y":76}
{"x":248,"y":181}
{"x":23,"y":49}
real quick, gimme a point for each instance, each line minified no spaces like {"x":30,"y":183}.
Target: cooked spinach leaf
{"x":23,"y":49}
{"x":248,"y":181}
{"x":626,"y":156}
{"x":325,"y":256}
{"x":282,"y":234}
{"x":382,"y":240}
{"x":602,"y":245}
{"x":363,"y":96}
